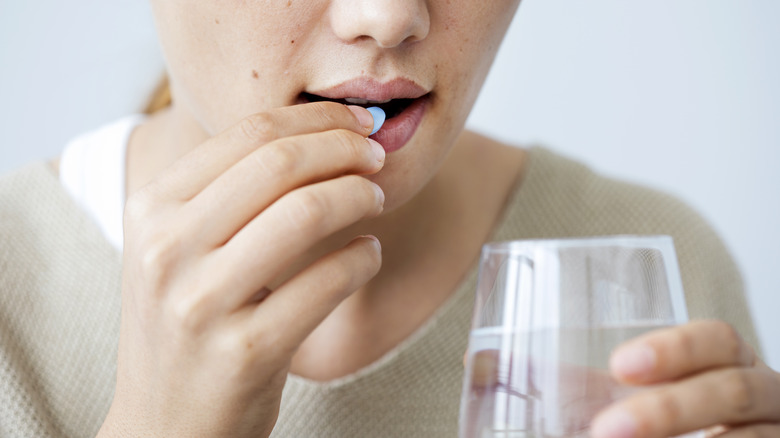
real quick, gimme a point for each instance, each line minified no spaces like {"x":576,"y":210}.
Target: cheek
{"x":473,"y":31}
{"x":468,"y":36}
{"x":230,"y":59}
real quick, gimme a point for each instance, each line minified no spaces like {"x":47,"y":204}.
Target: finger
{"x":724,"y":396}
{"x":765,"y":430}
{"x":298,"y":306}
{"x":676,"y":352}
{"x":251,"y":185}
{"x":712,"y":432}
{"x":271,"y":241}
{"x":484,"y":368}
{"x":190,"y":174}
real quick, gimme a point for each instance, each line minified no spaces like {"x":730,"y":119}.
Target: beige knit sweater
{"x":60,"y":298}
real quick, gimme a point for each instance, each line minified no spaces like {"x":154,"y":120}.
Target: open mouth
{"x":403,"y":113}
{"x":392,"y":107}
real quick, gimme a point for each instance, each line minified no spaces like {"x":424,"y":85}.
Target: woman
{"x":283,"y":274}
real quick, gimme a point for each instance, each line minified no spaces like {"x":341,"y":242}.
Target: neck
{"x":163,"y":138}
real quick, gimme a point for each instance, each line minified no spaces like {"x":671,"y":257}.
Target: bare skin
{"x":324,"y":302}
{"x":264,"y":236}
{"x":430,"y":256}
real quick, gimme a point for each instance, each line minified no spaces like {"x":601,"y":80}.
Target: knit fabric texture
{"x":60,"y":308}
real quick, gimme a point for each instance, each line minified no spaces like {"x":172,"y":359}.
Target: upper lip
{"x":372,"y":89}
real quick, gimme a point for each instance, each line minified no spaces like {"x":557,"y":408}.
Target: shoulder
{"x":28,"y":176}
{"x":29,"y":196}
{"x":56,"y":278}
{"x":20,"y":192}
{"x":560,"y":197}
{"x":570,"y":199}
{"x":43,"y":233}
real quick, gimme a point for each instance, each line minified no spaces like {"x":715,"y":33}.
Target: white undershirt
{"x":92,"y":171}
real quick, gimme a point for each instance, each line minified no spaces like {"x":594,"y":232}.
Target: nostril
{"x":389,"y":23}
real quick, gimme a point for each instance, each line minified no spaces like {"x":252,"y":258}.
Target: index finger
{"x":193,"y":172}
{"x":677,"y":352}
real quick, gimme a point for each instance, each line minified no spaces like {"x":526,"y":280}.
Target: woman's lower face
{"x":422,"y":61}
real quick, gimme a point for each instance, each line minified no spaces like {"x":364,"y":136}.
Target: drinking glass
{"x":547,"y":315}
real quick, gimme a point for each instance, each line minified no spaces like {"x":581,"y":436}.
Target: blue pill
{"x":379,"y":118}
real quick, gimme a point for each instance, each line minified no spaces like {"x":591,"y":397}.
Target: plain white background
{"x":680,"y":95}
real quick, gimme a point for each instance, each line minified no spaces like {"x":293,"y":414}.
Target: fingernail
{"x":633,"y":360}
{"x":377,"y":148}
{"x":375,"y":239}
{"x":363,"y":115}
{"x":379,"y":118}
{"x":614,"y":423}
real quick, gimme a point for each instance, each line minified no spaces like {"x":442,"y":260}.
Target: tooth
{"x":359,"y":101}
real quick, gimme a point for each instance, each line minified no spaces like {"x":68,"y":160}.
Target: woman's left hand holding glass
{"x":704,"y":377}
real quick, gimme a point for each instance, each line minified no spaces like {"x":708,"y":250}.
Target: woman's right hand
{"x":204,"y":346}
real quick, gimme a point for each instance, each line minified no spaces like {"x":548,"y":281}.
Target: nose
{"x":388,"y":22}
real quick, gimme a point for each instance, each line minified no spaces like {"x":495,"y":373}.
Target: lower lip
{"x":397,"y":131}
